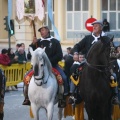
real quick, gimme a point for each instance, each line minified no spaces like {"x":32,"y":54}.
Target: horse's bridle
{"x":42,"y":78}
{"x":104,"y":67}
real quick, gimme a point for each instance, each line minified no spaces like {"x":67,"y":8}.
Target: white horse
{"x":43,"y":85}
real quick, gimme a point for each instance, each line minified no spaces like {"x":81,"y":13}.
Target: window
{"x":76,"y":15}
{"x":111,"y":12}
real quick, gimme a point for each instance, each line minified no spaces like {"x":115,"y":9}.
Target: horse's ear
{"x":31,"y":50}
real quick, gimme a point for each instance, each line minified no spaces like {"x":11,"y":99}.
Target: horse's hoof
{"x":26,"y":102}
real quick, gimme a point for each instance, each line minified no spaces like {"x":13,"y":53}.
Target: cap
{"x":97,"y":22}
{"x":45,"y":26}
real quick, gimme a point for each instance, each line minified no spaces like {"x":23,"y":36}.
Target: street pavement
{"x":14,"y":110}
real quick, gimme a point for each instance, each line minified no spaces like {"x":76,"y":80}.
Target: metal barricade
{"x":15,"y":73}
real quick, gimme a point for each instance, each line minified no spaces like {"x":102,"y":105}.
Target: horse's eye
{"x":41,"y":65}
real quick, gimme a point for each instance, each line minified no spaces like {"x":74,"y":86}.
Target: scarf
{"x":49,"y":38}
{"x":96,"y":38}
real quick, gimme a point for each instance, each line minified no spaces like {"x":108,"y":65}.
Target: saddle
{"x":29,"y":74}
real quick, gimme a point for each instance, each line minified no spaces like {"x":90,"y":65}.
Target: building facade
{"x":69,"y":18}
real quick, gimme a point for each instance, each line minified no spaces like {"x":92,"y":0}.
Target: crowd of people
{"x":9,"y":57}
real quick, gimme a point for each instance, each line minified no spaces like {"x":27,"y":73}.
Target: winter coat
{"x":53,"y":49}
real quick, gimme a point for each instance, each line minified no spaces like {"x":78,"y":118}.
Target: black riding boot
{"x":62,"y":101}
{"x":114,"y":87}
{"x":26,"y":101}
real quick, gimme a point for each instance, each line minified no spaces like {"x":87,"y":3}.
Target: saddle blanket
{"x":29,"y":74}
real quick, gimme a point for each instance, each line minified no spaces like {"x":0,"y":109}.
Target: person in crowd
{"x":85,"y":44}
{"x":68,"y":52}
{"x":68,"y":63}
{"x":21,"y":56}
{"x":4,"y":58}
{"x":118,"y":51}
{"x":106,"y":26}
{"x":11,"y":55}
{"x":29,"y":55}
{"x":13,"y":59}
{"x":53,"y":51}
{"x":23,"y":46}
{"x":78,"y":59}
{"x":17,"y":46}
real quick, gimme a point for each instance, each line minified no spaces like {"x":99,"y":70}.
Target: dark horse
{"x":2,"y":93}
{"x":95,"y":80}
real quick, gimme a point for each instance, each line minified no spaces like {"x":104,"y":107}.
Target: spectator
{"x":4,"y":58}
{"x":29,"y":55}
{"x":17,"y":47}
{"x":13,"y":59}
{"x":117,"y":49}
{"x":11,"y":55}
{"x":23,"y":46}
{"x":68,"y":52}
{"x":78,"y":59}
{"x":106,"y":26}
{"x":21,"y":56}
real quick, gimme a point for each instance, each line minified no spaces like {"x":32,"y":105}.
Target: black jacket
{"x":68,"y":63}
{"x":53,"y":49}
{"x":84,"y":45}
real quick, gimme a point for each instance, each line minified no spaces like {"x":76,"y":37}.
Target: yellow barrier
{"x":15,"y":73}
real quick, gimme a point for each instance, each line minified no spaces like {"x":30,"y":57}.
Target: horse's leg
{"x":35,"y":111}
{"x":88,"y":111}
{"x":60,"y":114}
{"x":50,"y":109}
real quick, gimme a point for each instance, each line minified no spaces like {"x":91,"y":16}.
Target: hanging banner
{"x":49,"y":6}
{"x":30,"y":10}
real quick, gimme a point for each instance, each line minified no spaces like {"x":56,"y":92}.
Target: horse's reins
{"x":42,"y":78}
{"x":95,"y":67}
{"x":106,"y":67}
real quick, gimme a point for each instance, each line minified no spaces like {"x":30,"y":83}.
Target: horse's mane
{"x":36,"y":57}
{"x":100,"y":45}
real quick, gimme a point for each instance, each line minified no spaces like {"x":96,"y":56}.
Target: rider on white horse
{"x":54,"y":53}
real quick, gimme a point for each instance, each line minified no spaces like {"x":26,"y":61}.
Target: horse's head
{"x":101,"y":51}
{"x":38,"y":63}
